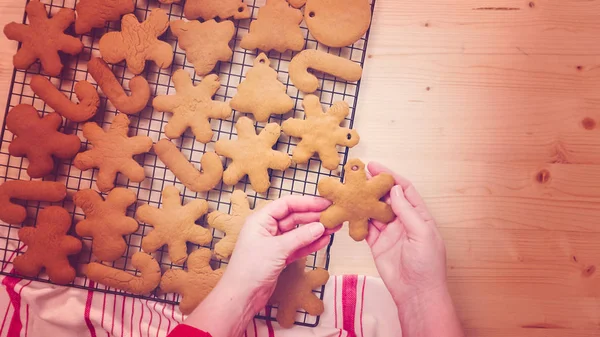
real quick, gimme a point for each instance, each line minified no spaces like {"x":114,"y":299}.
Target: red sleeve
{"x":183,"y":330}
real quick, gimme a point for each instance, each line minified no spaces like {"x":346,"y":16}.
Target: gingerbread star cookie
{"x":174,"y":225}
{"x":195,"y":283}
{"x":252,"y":154}
{"x":294,"y":291}
{"x":112,"y":152}
{"x":138,"y":42}
{"x":320,"y":132}
{"x":38,"y":139}
{"x":43,"y":38}
{"x":192,"y":106}
{"x":356,"y":200}
{"x":48,"y":246}
{"x":205,"y":43}
{"x":210,"y":9}
{"x":95,"y":13}
{"x":276,"y":28}
{"x":261,"y":93}
{"x":105,"y":221}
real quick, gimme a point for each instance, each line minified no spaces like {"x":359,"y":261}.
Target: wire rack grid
{"x":298,"y":179}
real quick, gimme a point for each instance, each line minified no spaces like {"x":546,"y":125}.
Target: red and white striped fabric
{"x":355,"y":306}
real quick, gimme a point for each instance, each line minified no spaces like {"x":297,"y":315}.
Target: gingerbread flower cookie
{"x":138,"y":42}
{"x":205,"y":43}
{"x":192,"y":106}
{"x":38,"y":139}
{"x":337,"y":23}
{"x":34,"y":190}
{"x":174,"y":225}
{"x":320,"y":132}
{"x":48,"y":246}
{"x":112,"y":152}
{"x":95,"y":13}
{"x":210,"y":9}
{"x":43,"y":38}
{"x":294,"y":291}
{"x":356,"y":200}
{"x":252,"y":154}
{"x":105,"y":221}
{"x":261,"y":93}
{"x":143,"y":284}
{"x":195,"y":283}
{"x":84,"y":90}
{"x":276,"y":28}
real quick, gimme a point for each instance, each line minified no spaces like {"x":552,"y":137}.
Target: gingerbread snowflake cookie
{"x":252,"y":154}
{"x":356,"y":200}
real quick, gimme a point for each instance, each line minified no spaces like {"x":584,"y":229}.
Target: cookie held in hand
{"x":112,"y":151}
{"x":320,"y":132}
{"x":294,"y":291}
{"x":105,"y":221}
{"x":195,"y":283}
{"x":30,"y":190}
{"x":174,"y":225}
{"x":38,"y":139}
{"x":252,"y":154}
{"x":48,"y":246}
{"x":356,"y":200}
{"x":43,"y":38}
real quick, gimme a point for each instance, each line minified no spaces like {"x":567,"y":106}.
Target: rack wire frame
{"x":298,"y":179}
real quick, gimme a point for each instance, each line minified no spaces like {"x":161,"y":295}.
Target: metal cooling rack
{"x":298,"y":179}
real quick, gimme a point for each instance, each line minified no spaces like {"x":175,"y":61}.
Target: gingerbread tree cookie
{"x":48,"y":246}
{"x":38,"y":139}
{"x":105,"y":221}
{"x":43,"y":38}
{"x":230,"y":224}
{"x":277,"y":27}
{"x":192,"y":106}
{"x":112,"y":151}
{"x":294,"y":291}
{"x":320,"y":132}
{"x":95,"y":13}
{"x":252,"y":154}
{"x":174,"y":225}
{"x":356,"y":200}
{"x":210,"y":9}
{"x":261,"y":93}
{"x":195,"y":284}
{"x":205,"y":43}
{"x":142,"y":284}
{"x":138,"y":42}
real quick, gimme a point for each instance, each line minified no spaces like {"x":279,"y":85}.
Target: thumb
{"x":301,"y":237}
{"x":412,"y":220}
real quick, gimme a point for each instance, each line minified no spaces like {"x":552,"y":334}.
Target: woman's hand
{"x":268,"y":242}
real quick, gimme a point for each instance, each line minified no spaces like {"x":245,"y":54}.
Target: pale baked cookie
{"x":324,"y":62}
{"x":210,"y":9}
{"x":337,"y":23}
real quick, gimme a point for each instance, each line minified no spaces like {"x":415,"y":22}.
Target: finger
{"x":409,"y":190}
{"x":377,"y":224}
{"x":282,"y":207}
{"x":372,"y":235}
{"x":301,"y":237}
{"x":329,"y":231}
{"x":313,"y":247}
{"x":294,"y":219}
{"x":408,"y":215}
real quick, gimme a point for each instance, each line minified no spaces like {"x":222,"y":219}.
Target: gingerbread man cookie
{"x":12,"y":213}
{"x":95,"y":13}
{"x":48,"y":246}
{"x":276,"y":28}
{"x":105,"y":221}
{"x":294,"y":291}
{"x":112,"y":152}
{"x":356,"y":200}
{"x":230,"y":224}
{"x":192,"y":106}
{"x":38,"y":139}
{"x":205,"y":43}
{"x":194,"y":284}
{"x":174,"y":225}
{"x":337,"y":23}
{"x":324,"y":62}
{"x":210,"y":9}
{"x":84,"y":90}
{"x":138,"y":42}
{"x":252,"y":154}
{"x":143,"y":284}
{"x":261,"y":93}
{"x":43,"y":38}
{"x":320,"y":132}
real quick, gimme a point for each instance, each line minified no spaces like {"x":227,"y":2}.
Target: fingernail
{"x":396,"y":190}
{"x":316,"y":229}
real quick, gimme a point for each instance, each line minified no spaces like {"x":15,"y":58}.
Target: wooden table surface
{"x":492,"y":109}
